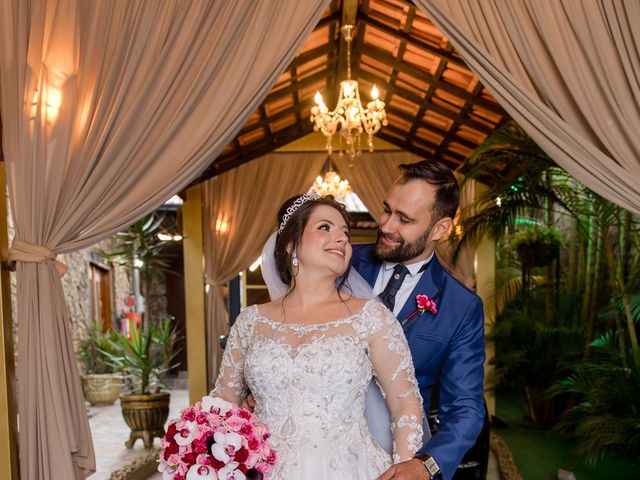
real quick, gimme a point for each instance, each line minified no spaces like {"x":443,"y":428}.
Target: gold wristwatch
{"x":430,"y":465}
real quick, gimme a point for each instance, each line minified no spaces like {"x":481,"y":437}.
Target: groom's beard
{"x":404,"y":251}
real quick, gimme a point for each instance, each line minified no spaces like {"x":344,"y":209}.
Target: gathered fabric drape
{"x":108,"y":109}
{"x":568,"y":71}
{"x":240,"y":209}
{"x":371,"y":176}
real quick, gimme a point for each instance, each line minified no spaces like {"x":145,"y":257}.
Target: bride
{"x":308,"y":357}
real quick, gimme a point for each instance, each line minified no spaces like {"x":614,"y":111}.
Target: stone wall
{"x":77,"y":294}
{"x":77,"y":289}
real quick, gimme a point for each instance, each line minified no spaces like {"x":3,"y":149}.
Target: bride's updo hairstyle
{"x":293,"y":217}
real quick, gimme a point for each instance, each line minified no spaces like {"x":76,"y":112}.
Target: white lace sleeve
{"x":391,"y":359}
{"x":230,"y":384}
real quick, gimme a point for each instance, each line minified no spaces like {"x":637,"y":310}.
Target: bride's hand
{"x":249,"y":403}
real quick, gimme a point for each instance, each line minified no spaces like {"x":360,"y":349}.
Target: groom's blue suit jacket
{"x":447,"y":348}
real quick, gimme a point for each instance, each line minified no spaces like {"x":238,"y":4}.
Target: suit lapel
{"x":430,"y":284}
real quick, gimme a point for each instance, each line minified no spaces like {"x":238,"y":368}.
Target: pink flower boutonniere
{"x":424,"y":304}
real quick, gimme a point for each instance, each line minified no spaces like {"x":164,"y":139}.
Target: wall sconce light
{"x":50,"y":101}
{"x":221,"y":225}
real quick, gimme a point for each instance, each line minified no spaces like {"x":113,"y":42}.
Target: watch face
{"x":432,"y":466}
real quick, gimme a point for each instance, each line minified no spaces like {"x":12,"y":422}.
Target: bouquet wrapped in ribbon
{"x":215,"y":439}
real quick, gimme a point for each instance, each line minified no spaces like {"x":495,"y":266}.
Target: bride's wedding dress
{"x":309,"y":384}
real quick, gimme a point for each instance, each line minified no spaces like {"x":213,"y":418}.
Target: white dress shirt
{"x":408,"y":284}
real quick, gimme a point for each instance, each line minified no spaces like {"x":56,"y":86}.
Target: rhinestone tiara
{"x":301,"y":200}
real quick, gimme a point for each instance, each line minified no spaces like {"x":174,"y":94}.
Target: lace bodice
{"x":309,"y":383}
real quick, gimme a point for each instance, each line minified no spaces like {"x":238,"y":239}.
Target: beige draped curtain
{"x":372,"y":174}
{"x":240,"y":209}
{"x":109,"y":108}
{"x":568,"y":71}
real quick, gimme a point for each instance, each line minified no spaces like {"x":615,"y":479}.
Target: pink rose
{"x":253,"y":443}
{"x":213,"y":419}
{"x":252,"y":459}
{"x":247,"y":430}
{"x":182,"y":469}
{"x":266,"y":450}
{"x":189,"y":414}
{"x":235,"y":423}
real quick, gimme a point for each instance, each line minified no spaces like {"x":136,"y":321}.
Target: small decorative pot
{"x":145,"y":415}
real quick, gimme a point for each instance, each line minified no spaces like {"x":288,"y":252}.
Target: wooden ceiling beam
{"x":333,"y":17}
{"x":465,"y":110}
{"x":421,"y":123}
{"x":388,"y":59}
{"x":412,"y":97}
{"x":327,"y":48}
{"x":264,"y":122}
{"x":296,"y":94}
{"x":254,"y":150}
{"x":410,"y":147}
{"x":441,"y":53}
{"x":349,"y":13}
{"x":426,"y":103}
{"x":322,"y":74}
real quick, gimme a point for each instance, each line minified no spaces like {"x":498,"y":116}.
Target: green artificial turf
{"x":540,"y":452}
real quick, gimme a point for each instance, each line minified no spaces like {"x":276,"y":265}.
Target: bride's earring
{"x":294,"y":260}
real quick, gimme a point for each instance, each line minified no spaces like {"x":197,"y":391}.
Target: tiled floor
{"x":109,"y":433}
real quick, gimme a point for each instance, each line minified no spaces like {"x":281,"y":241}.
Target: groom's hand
{"x":410,"y":470}
{"x":249,"y":403}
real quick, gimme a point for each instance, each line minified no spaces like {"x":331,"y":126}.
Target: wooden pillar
{"x":8,"y":427}
{"x":485,"y":267}
{"x":193,"y":244}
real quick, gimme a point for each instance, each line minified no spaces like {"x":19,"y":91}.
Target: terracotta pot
{"x":145,"y":415}
{"x":102,"y":388}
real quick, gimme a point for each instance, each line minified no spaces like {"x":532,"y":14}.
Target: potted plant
{"x":145,"y":356}
{"x":101,"y":381}
{"x":537,"y":245}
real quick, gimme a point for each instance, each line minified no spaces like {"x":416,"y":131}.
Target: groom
{"x":448,"y":345}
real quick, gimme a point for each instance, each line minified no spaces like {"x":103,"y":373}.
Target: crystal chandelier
{"x":331,"y":184}
{"x":349,"y":117}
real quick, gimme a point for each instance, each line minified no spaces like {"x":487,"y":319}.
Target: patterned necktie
{"x":388,"y":295}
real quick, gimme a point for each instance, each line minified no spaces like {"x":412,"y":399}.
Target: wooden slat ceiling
{"x":435,"y":105}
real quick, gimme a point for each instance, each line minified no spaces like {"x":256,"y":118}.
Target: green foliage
{"x":524,"y":183}
{"x":531,"y":356}
{"x":512,"y":288}
{"x":140,"y":241}
{"x":145,"y":357}
{"x":95,"y":348}
{"x":606,"y":414}
{"x":589,"y":285}
{"x":537,"y":234}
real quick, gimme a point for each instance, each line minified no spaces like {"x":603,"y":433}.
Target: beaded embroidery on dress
{"x":309,"y":383}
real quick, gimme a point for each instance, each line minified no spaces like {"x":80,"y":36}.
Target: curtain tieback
{"x":211,"y":282}
{"x":22,"y":251}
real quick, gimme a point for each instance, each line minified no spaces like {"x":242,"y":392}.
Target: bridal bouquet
{"x":215,"y":439}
